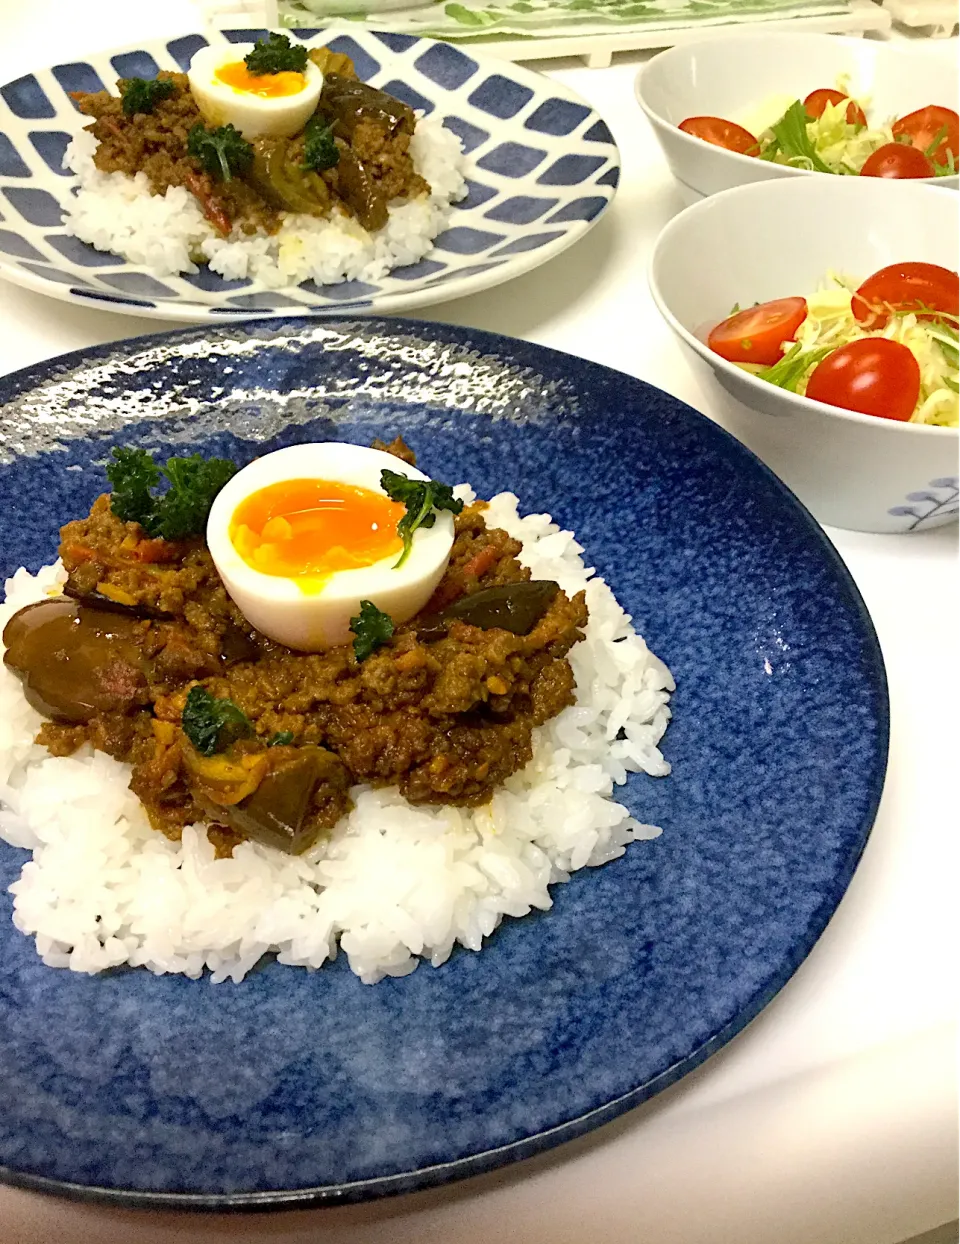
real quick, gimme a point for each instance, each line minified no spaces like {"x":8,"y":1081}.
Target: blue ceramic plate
{"x":541,"y":169}
{"x":297,"y":1087}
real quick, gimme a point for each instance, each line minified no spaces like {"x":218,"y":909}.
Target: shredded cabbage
{"x":830,"y":323}
{"x":843,"y":147}
{"x":829,"y":144}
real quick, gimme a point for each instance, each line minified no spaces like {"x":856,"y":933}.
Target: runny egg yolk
{"x":267,"y":85}
{"x":308,"y":529}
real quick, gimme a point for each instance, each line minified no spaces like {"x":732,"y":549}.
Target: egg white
{"x":253,"y":116}
{"x":277,"y":605}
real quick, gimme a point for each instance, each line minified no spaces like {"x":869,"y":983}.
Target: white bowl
{"x":780,"y":238}
{"x":731,"y":75}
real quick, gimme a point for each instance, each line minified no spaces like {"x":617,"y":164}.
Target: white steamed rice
{"x":166,"y":233}
{"x":393,"y":883}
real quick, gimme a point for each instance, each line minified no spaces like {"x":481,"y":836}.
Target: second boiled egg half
{"x":301,"y":536}
{"x":269,"y":105}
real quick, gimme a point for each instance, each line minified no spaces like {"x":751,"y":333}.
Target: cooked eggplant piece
{"x":360,"y":192}
{"x":223,"y":780}
{"x":347,"y":102}
{"x":276,"y":813}
{"x":237,"y":645}
{"x":76,"y":662}
{"x":329,"y":62}
{"x":265,"y":152}
{"x":277,"y":171}
{"x":97,"y":600}
{"x":277,"y":174}
{"x":286,"y":810}
{"x":515,"y":607}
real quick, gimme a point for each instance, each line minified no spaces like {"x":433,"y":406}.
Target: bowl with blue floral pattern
{"x":539,"y":169}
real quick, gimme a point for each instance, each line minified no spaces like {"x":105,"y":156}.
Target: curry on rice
{"x":444,"y":708}
{"x":370,"y":162}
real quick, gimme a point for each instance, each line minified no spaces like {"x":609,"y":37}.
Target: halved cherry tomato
{"x":897,"y":160}
{"x":816,"y":102}
{"x":923,"y":126}
{"x":873,"y":375}
{"x":726,"y":134}
{"x":757,"y":334}
{"x":924,"y":288}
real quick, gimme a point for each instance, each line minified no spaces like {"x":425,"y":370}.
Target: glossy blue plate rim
{"x":561,"y":367}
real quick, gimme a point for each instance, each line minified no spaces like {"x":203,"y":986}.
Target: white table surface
{"x":832,"y":1118}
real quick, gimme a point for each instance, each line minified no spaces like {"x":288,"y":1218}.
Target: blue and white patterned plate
{"x":542,"y":167}
{"x":294,"y":1088}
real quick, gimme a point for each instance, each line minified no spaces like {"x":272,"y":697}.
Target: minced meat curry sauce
{"x":371,"y":132}
{"x":444,"y":709}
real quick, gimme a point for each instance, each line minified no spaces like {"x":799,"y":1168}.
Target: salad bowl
{"x":752,"y":80}
{"x":851,"y":470}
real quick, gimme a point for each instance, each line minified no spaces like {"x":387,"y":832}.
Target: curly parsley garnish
{"x":319,"y":149}
{"x":132,"y":474}
{"x":210,"y":724}
{"x":178,"y":512}
{"x":421,"y":497}
{"x":276,"y":55}
{"x":223,"y":152}
{"x":143,"y":94}
{"x":372,"y":628}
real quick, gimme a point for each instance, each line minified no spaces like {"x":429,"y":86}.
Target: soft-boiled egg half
{"x":301,"y":536}
{"x":260,"y":105}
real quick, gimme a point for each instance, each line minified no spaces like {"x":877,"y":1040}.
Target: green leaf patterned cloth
{"x":464,"y":19}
